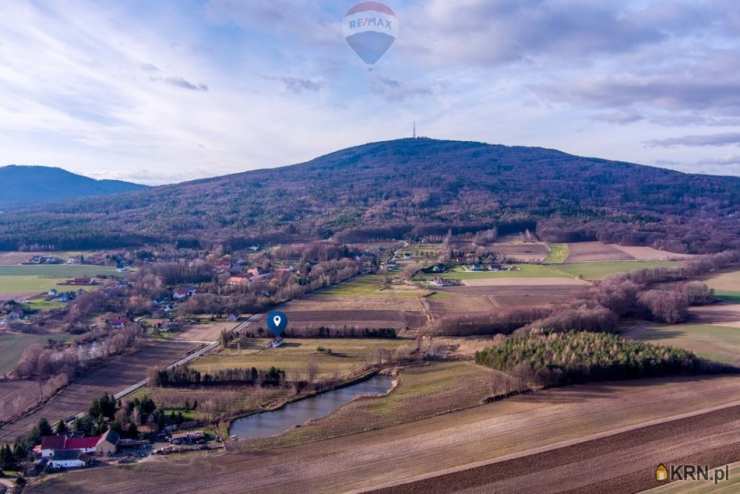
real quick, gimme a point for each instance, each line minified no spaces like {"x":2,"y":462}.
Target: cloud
{"x":726,"y":139}
{"x":666,"y":92}
{"x":185,"y":84}
{"x":397,"y":91}
{"x":619,"y":118}
{"x":496,"y":32}
{"x":731,"y":161}
{"x":297,"y":85}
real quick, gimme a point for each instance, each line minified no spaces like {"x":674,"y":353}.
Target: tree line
{"x":185,"y":376}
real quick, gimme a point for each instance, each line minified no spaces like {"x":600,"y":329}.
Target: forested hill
{"x":31,"y":185}
{"x":407,"y":188}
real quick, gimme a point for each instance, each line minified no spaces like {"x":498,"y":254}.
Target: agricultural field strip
{"x":182,"y":361}
{"x":198,"y":353}
{"x":555,"y":446}
{"x":367,"y":459}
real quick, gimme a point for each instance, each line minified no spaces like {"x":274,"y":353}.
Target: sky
{"x":173,"y":90}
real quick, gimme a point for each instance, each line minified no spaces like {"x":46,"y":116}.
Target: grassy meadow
{"x":12,"y":346}
{"x":713,"y":342}
{"x":598,"y":270}
{"x":522,"y":271}
{"x":726,"y":286}
{"x":40,"y":278}
{"x":591,"y":271}
{"x":558,"y":254}
{"x":347,"y":356}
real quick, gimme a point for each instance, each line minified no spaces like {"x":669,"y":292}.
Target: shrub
{"x":500,"y":322}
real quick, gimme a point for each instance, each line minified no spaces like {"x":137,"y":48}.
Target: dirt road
{"x":500,"y":431}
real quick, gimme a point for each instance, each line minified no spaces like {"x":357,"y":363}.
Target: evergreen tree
{"x":7,"y":458}
{"x":61,"y":428}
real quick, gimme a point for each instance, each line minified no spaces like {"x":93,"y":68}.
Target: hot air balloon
{"x":370,"y":29}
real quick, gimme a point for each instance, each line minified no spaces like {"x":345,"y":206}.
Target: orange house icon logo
{"x":661,"y":473}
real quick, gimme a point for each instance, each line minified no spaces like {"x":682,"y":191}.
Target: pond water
{"x":269,"y":424}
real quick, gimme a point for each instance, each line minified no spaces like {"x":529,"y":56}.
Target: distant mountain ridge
{"x":405,"y":189}
{"x":24,"y":186}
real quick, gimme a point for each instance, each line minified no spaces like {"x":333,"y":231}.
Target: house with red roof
{"x":53,"y":444}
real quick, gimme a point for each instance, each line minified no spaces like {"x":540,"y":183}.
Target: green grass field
{"x":558,"y":254}
{"x":426,"y":382}
{"x":602,"y":269}
{"x":32,"y":279}
{"x":522,"y":271}
{"x":726,"y":286}
{"x":733,"y":297}
{"x":717,"y":343}
{"x":585,"y":270}
{"x":42,"y":305}
{"x":347,"y":355}
{"x":13,"y":344}
{"x":367,"y":286}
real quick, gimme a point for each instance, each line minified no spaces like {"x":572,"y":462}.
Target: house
{"x":52,"y":293}
{"x":439,"y":282}
{"x":437,"y":268}
{"x":107,"y":445}
{"x":15,"y":315}
{"x":237,"y":281}
{"x":83,"y":282}
{"x":180,"y":294}
{"x":183,"y":293}
{"x":257,"y":274}
{"x":50,"y":445}
{"x":117,"y":323}
{"x":67,"y":458}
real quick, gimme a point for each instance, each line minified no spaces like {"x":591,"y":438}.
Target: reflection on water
{"x":272,"y":423}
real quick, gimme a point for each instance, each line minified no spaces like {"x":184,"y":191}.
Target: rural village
{"x":126,"y":355}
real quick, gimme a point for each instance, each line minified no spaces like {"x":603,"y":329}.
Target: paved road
{"x":211,"y":346}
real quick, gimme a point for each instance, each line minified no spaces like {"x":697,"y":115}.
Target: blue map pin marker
{"x":277,"y":321}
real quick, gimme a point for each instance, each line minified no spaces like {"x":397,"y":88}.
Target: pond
{"x":269,"y":424}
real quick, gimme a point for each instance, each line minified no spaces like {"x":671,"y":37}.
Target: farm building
{"x":67,"y":458}
{"x":50,"y":445}
{"x":195,"y":437}
{"x":107,"y":444}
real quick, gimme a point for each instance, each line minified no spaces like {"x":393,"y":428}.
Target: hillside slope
{"x":24,"y":186}
{"x":408,"y":188}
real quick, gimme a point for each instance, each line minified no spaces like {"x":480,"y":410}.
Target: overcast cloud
{"x":174,"y":90}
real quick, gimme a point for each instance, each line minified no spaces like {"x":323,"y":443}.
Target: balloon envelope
{"x":370,"y":29}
